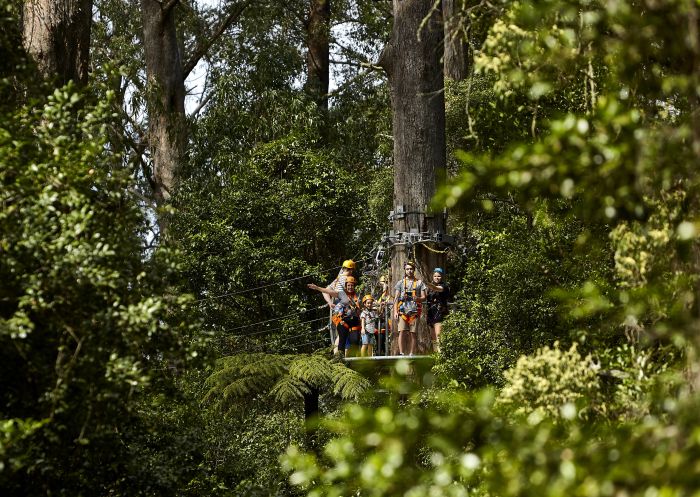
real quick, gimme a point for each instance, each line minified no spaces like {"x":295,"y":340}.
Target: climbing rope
{"x":432,"y":249}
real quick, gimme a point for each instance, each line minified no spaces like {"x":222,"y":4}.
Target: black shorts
{"x":435,"y":315}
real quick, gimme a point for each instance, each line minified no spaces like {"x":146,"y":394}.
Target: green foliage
{"x":551,"y":380}
{"x":87,"y":324}
{"x":459,"y":445}
{"x":241,"y":453}
{"x":597,"y":127}
{"x":631,"y":377}
{"x":629,"y":143}
{"x":506,"y":306}
{"x":286,"y":378}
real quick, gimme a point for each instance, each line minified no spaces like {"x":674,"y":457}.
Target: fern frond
{"x":243,"y":376}
{"x":245,"y":386}
{"x":348,"y":384}
{"x":267,"y":365}
{"x":314,"y":370}
{"x":289,"y":389}
{"x":221,"y":377}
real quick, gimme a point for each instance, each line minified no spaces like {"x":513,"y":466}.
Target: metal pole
{"x":331,"y":330}
{"x":386,"y":329}
{"x":378,"y":323}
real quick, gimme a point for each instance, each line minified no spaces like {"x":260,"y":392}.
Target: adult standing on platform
{"x":408,"y":295}
{"x":438,"y":294}
{"x":347,"y":269}
{"x":348,"y":310}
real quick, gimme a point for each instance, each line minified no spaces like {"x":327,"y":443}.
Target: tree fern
{"x":288,"y":390}
{"x":287,"y":378}
{"x":348,"y":384}
{"x":314,"y":370}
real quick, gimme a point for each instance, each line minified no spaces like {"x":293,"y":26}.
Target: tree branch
{"x":168,"y":6}
{"x":202,"y":48}
{"x":361,"y":64}
{"x":352,"y":80}
{"x":202,"y":103}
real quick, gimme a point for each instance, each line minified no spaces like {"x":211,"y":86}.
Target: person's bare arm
{"x":423,"y":294}
{"x":396,"y":305}
{"x":327,"y":291}
{"x":328,"y":298}
{"x":433,"y":286}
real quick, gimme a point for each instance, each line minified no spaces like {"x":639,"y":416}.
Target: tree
{"x":167,"y":132}
{"x":457,"y":54}
{"x":317,"y":56}
{"x":166,"y":70}
{"x":86,"y":325}
{"x":57,"y":35}
{"x":412,"y":60}
{"x":457,"y":444}
{"x":288,"y":379}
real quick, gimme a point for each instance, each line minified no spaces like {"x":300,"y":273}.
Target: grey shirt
{"x":410,"y":285}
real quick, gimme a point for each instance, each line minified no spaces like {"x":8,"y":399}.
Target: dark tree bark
{"x":167,"y":133}
{"x":311,"y":412}
{"x":412,"y":61}
{"x":166,"y":72}
{"x":456,"y":56}
{"x":317,"y":55}
{"x":57,"y":35}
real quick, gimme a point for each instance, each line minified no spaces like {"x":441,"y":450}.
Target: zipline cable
{"x":247,"y":290}
{"x":314,"y":341}
{"x":272,"y":319}
{"x":274,"y":329}
{"x":306,"y":333}
{"x":286,"y":339}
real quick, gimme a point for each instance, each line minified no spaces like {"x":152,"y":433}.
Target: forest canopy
{"x":175,"y":174}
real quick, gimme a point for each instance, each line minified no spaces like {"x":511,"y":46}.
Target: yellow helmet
{"x":350,"y":279}
{"x":382,"y":279}
{"x":366,"y":298}
{"x":349,"y":264}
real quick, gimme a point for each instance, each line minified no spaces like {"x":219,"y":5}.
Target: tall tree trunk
{"x":412,"y":61}
{"x":57,"y":35}
{"x":167,"y":132}
{"x":456,"y":55}
{"x":317,"y":56}
{"x":693,"y":40}
{"x":311,"y":411}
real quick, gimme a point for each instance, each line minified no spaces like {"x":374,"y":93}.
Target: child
{"x":368,"y":319}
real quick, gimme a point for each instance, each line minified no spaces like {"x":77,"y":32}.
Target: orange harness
{"x":337,"y":318}
{"x":419,"y":307}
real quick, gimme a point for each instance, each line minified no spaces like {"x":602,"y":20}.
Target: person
{"x":384,"y":308}
{"x":348,"y":310}
{"x":438,"y":294}
{"x":368,"y":320}
{"x":408,"y":295}
{"x":347,"y":269}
